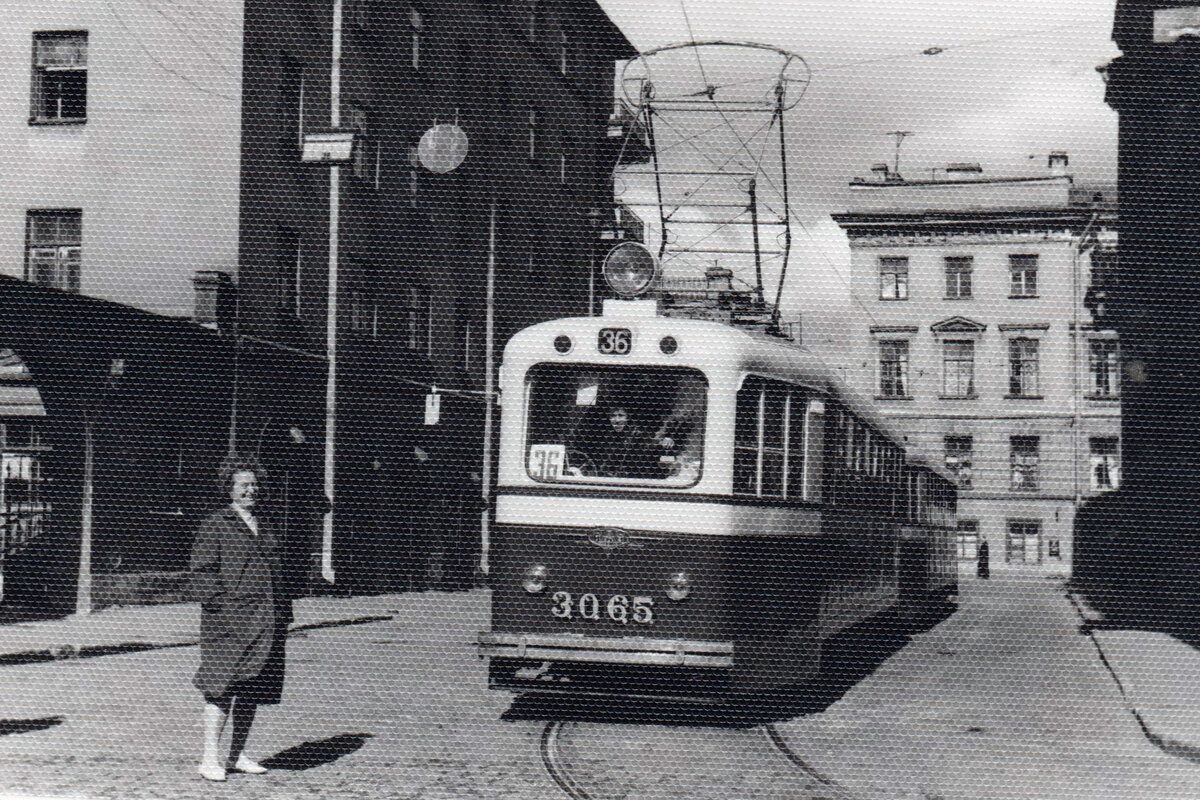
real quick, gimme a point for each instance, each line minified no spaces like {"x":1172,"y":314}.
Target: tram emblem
{"x":611,"y":538}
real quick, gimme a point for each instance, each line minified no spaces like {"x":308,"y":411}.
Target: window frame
{"x":289,"y":262}
{"x":898,"y":268}
{"x":958,"y":361}
{"x":895,"y":387}
{"x":1024,"y":381}
{"x":959,"y":459}
{"x":1104,"y":463}
{"x":1024,"y":463}
{"x":1104,"y":365}
{"x":1024,"y":265}
{"x":1023,"y":528}
{"x":961,"y":286}
{"x":416,"y":27}
{"x":67,"y":249}
{"x":41,"y":74}
{"x":967,"y":529}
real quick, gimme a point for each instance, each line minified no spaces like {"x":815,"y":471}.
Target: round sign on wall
{"x":443,"y":148}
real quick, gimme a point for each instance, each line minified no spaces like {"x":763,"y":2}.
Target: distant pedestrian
{"x":984,"y":568}
{"x":244,"y":618}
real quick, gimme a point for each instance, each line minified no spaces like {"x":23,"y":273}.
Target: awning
{"x":19,"y":396}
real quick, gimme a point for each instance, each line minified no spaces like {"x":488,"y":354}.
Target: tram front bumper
{"x":603,"y":650}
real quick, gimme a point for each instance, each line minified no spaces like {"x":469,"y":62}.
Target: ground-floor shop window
{"x":1024,"y":541}
{"x":968,"y":540}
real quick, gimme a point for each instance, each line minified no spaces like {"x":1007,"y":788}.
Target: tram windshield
{"x":615,"y":425}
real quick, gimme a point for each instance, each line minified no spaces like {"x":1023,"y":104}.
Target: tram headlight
{"x":535,"y":578}
{"x":679,"y":586}
{"x":629,"y":269}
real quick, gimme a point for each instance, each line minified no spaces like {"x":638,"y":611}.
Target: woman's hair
{"x":234,"y":464}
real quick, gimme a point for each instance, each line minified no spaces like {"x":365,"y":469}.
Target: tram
{"x":685,"y":509}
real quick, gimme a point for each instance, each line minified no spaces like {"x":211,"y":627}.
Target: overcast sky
{"x":1015,"y":79}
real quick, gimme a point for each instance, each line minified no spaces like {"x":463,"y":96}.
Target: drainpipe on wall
{"x":331,"y":307}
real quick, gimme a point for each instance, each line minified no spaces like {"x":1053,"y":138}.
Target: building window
{"x":968,"y":540}
{"x":416,"y":24}
{"x":287,"y":271}
{"x":55,"y":248}
{"x":417,"y":317}
{"x":1024,"y":541}
{"x":958,"y":368}
{"x":24,"y":496}
{"x":893,"y":369}
{"x":958,"y":277}
{"x":1106,"y":465}
{"x":414,"y":177}
{"x":59,"y":91}
{"x":364,"y":313}
{"x":958,"y":458}
{"x":533,"y":136}
{"x":1054,"y":548}
{"x":893,"y":278}
{"x":564,"y":52}
{"x":1102,"y":364}
{"x":1022,"y":272}
{"x":291,"y":105}
{"x":365,"y":161}
{"x":1023,"y":367}
{"x":1023,"y":463}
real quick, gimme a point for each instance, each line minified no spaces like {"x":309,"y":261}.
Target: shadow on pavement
{"x":847,"y":659}
{"x":1132,"y":572}
{"x":315,"y":754}
{"x":11,"y":726}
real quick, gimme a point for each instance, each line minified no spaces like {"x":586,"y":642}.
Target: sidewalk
{"x":1159,"y":677}
{"x":134,"y":628}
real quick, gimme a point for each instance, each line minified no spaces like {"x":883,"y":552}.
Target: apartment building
{"x":980,"y":345}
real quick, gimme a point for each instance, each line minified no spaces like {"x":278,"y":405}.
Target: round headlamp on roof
{"x":629,"y":269}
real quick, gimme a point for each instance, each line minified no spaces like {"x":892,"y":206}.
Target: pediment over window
{"x":959,"y":325}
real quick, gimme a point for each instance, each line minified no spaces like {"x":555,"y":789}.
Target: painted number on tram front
{"x":618,"y":608}
{"x":615,"y":341}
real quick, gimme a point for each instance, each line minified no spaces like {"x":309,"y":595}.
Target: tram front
{"x":606,"y":561}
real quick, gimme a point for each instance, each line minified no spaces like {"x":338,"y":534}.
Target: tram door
{"x":1024,"y":541}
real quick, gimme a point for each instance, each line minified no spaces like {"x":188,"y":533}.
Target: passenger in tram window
{"x":622,"y":450}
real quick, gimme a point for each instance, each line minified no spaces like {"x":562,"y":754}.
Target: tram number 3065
{"x":618,"y":608}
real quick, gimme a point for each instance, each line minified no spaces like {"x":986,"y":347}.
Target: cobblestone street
{"x":1004,"y":699}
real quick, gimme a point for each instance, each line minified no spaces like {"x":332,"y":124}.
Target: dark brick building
{"x":1148,"y":536}
{"x":531,"y":84}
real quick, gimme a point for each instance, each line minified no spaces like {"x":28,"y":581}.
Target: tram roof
{"x":723,"y":344}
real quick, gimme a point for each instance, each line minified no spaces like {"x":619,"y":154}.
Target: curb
{"x":71,"y":652}
{"x":1167,"y":744}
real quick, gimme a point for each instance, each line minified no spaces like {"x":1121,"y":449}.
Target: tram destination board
{"x":615,"y":341}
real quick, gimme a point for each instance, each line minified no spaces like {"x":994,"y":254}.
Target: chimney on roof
{"x":1058,"y":162}
{"x":215,"y":300}
{"x":962,"y":169}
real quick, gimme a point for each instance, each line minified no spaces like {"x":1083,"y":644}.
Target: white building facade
{"x":981,"y":347}
{"x":121,"y":124}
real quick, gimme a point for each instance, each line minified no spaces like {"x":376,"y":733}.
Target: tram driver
{"x":622,"y":450}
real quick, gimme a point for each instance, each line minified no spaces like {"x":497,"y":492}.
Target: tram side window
{"x":769,"y":434}
{"x":797,"y":411}
{"x":745,"y":438}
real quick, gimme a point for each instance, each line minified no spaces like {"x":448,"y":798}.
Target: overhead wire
{"x":176,"y":73}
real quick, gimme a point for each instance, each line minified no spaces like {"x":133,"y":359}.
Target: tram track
{"x":818,"y":786}
{"x":780,"y":744}
{"x":552,"y":761}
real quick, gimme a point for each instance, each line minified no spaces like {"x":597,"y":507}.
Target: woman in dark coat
{"x":244,"y":616}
